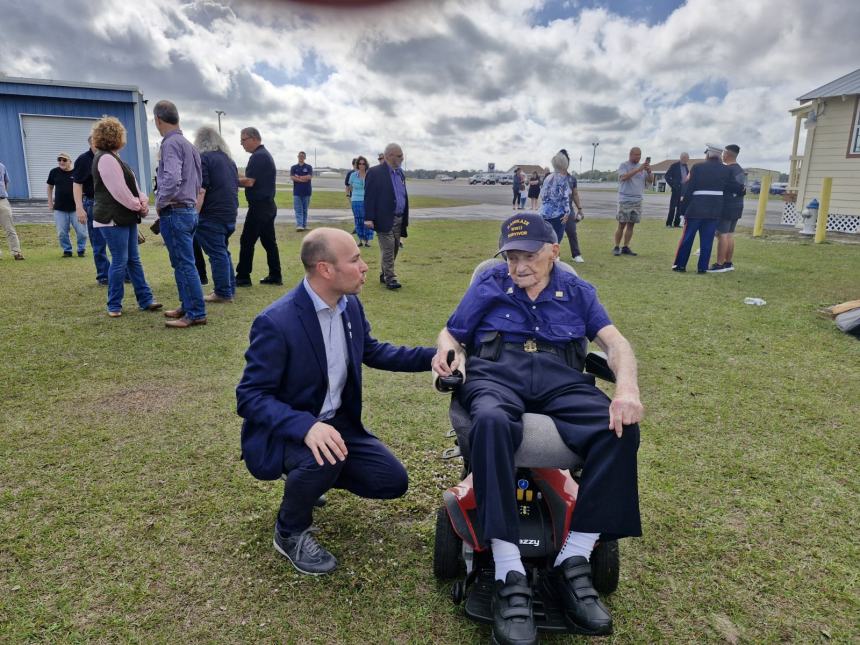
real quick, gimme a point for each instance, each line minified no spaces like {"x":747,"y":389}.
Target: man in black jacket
{"x":703,"y":195}
{"x":386,"y":206}
{"x":675,"y":177}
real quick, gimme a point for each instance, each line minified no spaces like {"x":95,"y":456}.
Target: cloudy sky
{"x":458,"y":83}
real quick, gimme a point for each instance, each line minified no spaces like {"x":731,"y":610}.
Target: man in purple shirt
{"x":179,"y":177}
{"x":386,"y":207}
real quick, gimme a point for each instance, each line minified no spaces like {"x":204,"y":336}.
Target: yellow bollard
{"x":823,"y":209}
{"x":762,"y":205}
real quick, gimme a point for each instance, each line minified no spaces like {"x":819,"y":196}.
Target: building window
{"x":854,"y":142}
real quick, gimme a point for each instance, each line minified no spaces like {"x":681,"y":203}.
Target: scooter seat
{"x":542,"y":446}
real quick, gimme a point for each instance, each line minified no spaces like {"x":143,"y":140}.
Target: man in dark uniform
{"x":703,"y":196}
{"x":259,"y":184}
{"x":521,"y":323}
{"x":675,"y":176}
{"x":733,"y":209}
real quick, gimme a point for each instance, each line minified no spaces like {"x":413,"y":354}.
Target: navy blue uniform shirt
{"x":221,"y":183}
{"x":301,"y":189}
{"x":567,"y":309}
{"x":82,"y":173}
{"x":261,"y":167}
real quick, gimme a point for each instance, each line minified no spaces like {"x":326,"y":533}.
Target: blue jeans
{"x":65,"y":219}
{"x":300,"y":204}
{"x":212,"y":236}
{"x":557,"y":226}
{"x":364,"y":234}
{"x":122,"y":242}
{"x":177,"y":231}
{"x":97,"y":241}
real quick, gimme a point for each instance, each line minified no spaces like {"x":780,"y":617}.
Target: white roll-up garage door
{"x":44,"y":138}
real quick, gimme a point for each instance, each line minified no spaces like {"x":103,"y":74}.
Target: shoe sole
{"x":575,"y":628}
{"x":307,"y":573}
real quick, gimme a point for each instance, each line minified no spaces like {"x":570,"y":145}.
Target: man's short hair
{"x":167,"y":112}
{"x":316,"y":249}
{"x":302,"y":152}
{"x":252,"y":133}
{"x":734,"y":149}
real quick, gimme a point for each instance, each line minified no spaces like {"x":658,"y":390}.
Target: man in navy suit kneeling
{"x":300,"y":395}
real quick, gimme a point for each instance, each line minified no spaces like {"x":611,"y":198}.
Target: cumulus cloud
{"x":457,"y":82}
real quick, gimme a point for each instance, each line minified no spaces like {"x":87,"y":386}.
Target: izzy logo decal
{"x":530,"y":542}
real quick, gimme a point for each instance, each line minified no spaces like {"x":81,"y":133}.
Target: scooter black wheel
{"x":458,"y":592}
{"x":605,"y":566}
{"x":446,"y":551}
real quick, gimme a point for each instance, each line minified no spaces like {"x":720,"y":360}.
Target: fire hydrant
{"x":810,"y":218}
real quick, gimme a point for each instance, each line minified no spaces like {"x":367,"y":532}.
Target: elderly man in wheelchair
{"x":522,"y":324}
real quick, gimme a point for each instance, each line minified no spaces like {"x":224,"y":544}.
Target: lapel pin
{"x":559,"y":294}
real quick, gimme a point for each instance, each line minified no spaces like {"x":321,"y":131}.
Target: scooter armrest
{"x":597,"y":364}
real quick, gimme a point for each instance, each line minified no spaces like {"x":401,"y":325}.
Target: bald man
{"x":300,"y":395}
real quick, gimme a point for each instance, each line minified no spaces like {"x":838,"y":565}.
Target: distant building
{"x":659,"y":171}
{"x":40,"y":118}
{"x":830,"y":115}
{"x":529,"y":169}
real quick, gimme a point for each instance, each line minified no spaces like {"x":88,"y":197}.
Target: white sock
{"x":577,"y":543}
{"x":506,"y":555}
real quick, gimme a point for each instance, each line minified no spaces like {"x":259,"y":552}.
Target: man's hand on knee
{"x":624,"y":410}
{"x":325,"y":441}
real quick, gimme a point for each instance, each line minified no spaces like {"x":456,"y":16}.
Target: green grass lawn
{"x":337,"y":199}
{"x":126,"y":515}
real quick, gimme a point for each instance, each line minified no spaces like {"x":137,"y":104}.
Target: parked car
{"x":755,"y":187}
{"x":778,"y":188}
{"x":476,"y":179}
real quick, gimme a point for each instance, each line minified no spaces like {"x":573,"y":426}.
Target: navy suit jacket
{"x":284,"y":385}
{"x":673,"y":176}
{"x":379,"y":200}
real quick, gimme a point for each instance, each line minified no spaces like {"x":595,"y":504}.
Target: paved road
{"x":494,"y":203}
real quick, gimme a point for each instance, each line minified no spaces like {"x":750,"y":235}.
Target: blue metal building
{"x":41,"y":118}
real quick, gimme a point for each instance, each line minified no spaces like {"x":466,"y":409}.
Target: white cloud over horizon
{"x":457,"y":83}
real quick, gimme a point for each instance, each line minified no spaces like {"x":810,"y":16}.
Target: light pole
{"x":219,"y":113}
{"x":594,"y":145}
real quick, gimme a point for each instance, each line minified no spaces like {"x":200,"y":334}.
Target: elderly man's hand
{"x":626,"y":408}
{"x":440,"y":361}
{"x":325,"y":441}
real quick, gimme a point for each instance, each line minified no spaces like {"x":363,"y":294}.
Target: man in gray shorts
{"x":632,"y":177}
{"x":733,"y":208}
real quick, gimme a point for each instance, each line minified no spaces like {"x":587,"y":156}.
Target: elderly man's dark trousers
{"x":674,"y":216}
{"x":259,"y":225}
{"x":369,"y":470}
{"x":496,"y":393}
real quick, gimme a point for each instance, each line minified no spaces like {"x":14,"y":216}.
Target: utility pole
{"x":594,"y":145}
{"x":219,"y":113}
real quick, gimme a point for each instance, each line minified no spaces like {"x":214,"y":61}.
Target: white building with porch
{"x":830,"y":117}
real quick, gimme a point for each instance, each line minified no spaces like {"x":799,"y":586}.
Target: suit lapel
{"x":311,"y":324}
{"x":350,"y":330}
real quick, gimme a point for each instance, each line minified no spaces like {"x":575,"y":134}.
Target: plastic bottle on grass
{"x":754,"y":301}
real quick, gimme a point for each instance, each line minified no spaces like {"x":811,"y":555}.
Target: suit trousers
{"x":497,"y":393}
{"x":389,"y":245}
{"x":674,"y":216}
{"x":370,"y":470}
{"x":572,"y":236}
{"x":259,"y":225}
{"x":706,"y":229}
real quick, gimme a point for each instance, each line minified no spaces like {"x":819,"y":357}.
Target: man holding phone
{"x":632,"y":178}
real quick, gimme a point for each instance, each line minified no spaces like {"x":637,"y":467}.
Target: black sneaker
{"x":204,"y":280}
{"x":616,"y":251}
{"x":81,"y":254}
{"x":243,"y":282}
{"x":513,"y":620}
{"x":382,"y":278}
{"x":304,"y":552}
{"x":625,"y":250}
{"x":728,"y":266}
{"x":270,"y":280}
{"x":678,"y":269}
{"x":67,"y":254}
{"x":583,"y":611}
{"x":394,"y":284}
{"x":103,"y":283}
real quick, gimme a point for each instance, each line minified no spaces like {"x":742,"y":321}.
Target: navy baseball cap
{"x":527,"y":232}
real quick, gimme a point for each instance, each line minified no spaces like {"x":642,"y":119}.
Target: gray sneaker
{"x":616,"y":251}
{"x":304,"y":552}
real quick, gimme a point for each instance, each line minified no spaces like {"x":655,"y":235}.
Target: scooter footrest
{"x":548,"y":611}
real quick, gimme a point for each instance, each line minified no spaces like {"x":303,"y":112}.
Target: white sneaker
{"x":578,"y":258}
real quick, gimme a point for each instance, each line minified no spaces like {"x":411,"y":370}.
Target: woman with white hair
{"x":555,"y":196}
{"x":218,"y":206}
